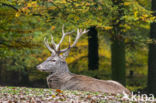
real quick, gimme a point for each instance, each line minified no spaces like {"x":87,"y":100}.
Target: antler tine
{"x":53,"y":43}
{"x":85,"y":31}
{"x":63,"y":36}
{"x":47,"y":45}
{"x":64,"y":50}
{"x":79,"y":34}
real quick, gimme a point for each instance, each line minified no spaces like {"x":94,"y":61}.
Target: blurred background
{"x":116,"y":47}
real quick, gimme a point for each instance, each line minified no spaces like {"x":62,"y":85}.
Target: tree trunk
{"x":152,"y":57}
{"x":118,"y":61}
{"x":118,"y":45}
{"x":24,"y":78}
{"x":93,"y":56}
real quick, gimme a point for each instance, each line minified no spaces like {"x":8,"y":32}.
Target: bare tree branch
{"x":5,"y":4}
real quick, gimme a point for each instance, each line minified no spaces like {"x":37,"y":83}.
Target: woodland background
{"x":116,"y":47}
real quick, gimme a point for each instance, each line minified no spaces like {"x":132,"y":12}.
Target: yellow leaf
{"x":17,"y":14}
{"x":34,"y":2}
{"x":127,"y":3}
{"x":52,"y":8}
{"x":29,"y":4}
{"x":63,"y":1}
{"x":152,"y":18}
{"x":39,"y":59}
{"x":53,"y":96}
{"x":53,"y":27}
{"x":135,"y":13}
{"x":107,"y":27}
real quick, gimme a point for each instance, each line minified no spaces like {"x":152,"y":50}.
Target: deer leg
{"x":48,"y":82}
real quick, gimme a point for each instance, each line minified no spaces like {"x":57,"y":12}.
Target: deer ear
{"x":64,"y":55}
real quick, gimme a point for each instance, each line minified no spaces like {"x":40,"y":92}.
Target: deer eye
{"x":52,"y":60}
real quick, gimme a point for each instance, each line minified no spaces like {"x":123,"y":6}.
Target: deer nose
{"x":39,"y":67}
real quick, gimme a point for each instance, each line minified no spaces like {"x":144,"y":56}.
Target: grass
{"x":42,"y":95}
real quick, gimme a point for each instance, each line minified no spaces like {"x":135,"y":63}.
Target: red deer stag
{"x":61,"y":78}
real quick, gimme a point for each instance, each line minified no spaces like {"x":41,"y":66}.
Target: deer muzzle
{"x":40,"y":68}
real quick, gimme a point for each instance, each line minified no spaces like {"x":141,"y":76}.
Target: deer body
{"x":70,"y":81}
{"x":62,"y":78}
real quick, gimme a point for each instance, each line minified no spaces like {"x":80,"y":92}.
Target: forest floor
{"x":41,"y":95}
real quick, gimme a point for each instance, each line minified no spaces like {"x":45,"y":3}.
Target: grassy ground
{"x":40,"y":95}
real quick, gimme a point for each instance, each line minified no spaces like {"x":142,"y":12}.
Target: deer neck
{"x":61,"y":70}
{"x":62,"y":73}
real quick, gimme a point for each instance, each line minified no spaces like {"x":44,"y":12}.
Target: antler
{"x":63,"y":36}
{"x":79,"y":34}
{"x":55,"y":47}
{"x":48,"y":46}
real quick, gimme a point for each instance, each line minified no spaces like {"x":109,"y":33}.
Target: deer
{"x":61,"y":78}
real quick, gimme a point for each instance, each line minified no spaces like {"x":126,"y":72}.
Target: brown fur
{"x":71,"y":81}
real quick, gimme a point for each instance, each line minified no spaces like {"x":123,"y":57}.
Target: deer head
{"x":56,"y":62}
